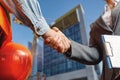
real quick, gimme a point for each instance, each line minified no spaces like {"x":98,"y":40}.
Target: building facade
{"x":38,"y":59}
{"x":56,"y":65}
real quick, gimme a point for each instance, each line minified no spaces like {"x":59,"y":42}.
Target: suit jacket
{"x":93,"y":53}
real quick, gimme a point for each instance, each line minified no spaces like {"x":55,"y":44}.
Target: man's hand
{"x":57,"y":41}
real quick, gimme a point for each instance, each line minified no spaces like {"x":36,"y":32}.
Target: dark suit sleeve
{"x":93,"y":53}
{"x":84,"y":54}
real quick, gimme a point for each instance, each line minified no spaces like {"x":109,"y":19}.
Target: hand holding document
{"x":112,"y":50}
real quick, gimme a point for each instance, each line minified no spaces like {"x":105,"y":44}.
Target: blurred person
{"x":107,"y":23}
{"x":29,"y":13}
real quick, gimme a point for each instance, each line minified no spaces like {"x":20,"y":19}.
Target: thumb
{"x":55,"y":29}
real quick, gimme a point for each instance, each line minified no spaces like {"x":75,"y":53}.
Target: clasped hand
{"x":58,"y":40}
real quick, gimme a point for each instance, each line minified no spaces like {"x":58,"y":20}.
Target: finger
{"x":66,"y":43}
{"x":58,"y":42}
{"x":55,"y":29}
{"x":54,"y":42}
{"x":47,"y":40}
{"x":60,"y":47}
{"x":63,"y":44}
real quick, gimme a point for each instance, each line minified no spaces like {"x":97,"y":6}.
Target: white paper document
{"x":112,"y":50}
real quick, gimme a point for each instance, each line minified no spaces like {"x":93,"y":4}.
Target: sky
{"x":53,"y":9}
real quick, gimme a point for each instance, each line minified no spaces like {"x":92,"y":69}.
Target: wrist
{"x":47,"y":33}
{"x":68,"y":52}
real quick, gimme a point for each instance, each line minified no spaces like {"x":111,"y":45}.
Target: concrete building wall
{"x":83,"y":74}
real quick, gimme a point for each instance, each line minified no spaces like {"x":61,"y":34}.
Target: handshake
{"x":57,"y":40}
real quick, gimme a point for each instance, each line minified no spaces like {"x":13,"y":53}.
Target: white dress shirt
{"x":107,"y":13}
